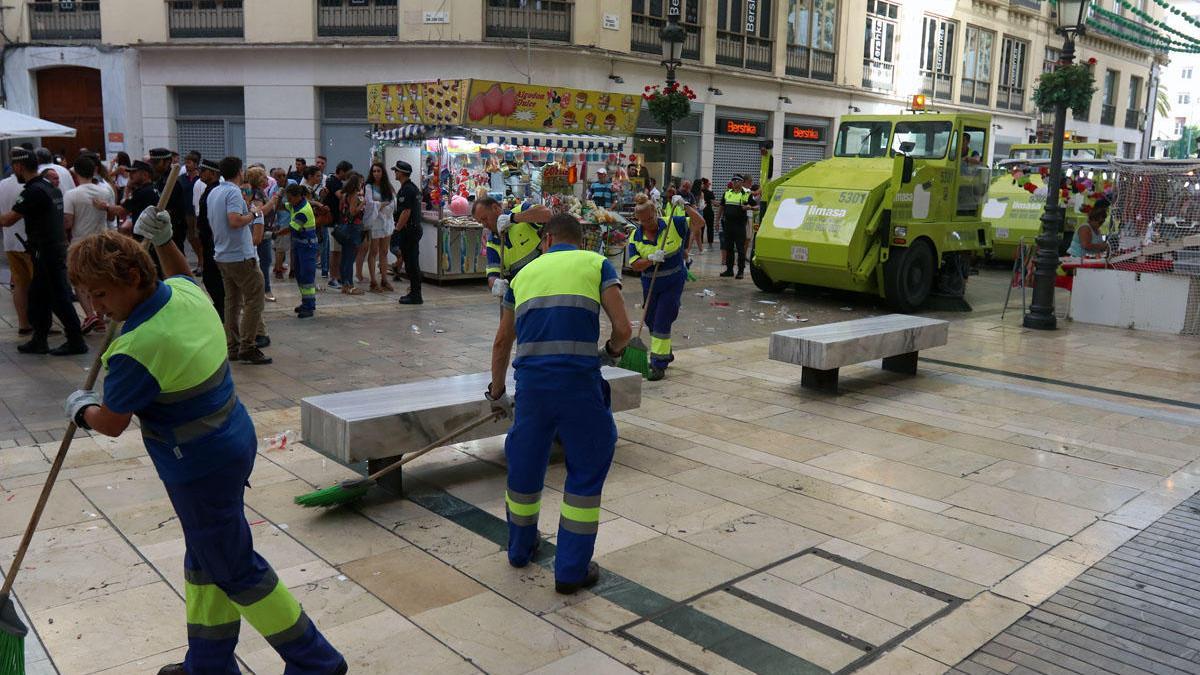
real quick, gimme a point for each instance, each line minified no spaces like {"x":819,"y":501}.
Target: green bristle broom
{"x":354,"y":489}
{"x":636,"y":357}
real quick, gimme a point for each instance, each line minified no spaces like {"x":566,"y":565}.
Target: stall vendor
{"x":662,"y":243}
{"x":1088,"y":240}
{"x":514,"y":241}
{"x":601,"y":191}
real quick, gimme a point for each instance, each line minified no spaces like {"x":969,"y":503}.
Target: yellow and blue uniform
{"x":734,"y":225}
{"x":304,"y":254}
{"x":559,"y":392}
{"x":668,"y":288}
{"x":168,"y":366}
{"x":514,"y":248}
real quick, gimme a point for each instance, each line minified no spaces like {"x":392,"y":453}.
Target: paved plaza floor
{"x":901,"y":526}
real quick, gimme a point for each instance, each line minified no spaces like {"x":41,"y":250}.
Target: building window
{"x":977,"y":66}
{"x":744,"y":34}
{"x":649,"y":16}
{"x":1050,"y":60}
{"x":1129,"y":150}
{"x":1185,"y":99}
{"x":1133,"y":104}
{"x":1180,"y":123}
{"x":1108,"y":109}
{"x":937,"y":57}
{"x":879,"y":63}
{"x":1185,"y":74}
{"x":544,"y":20}
{"x":812,"y":26}
{"x":1011,"y":94}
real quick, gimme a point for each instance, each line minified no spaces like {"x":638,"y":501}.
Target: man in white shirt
{"x":20,"y":264}
{"x":81,"y":219}
{"x":236,"y":231}
{"x":46,"y":161}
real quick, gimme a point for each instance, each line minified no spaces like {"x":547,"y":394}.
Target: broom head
{"x":12,"y":638}
{"x":636,"y":357}
{"x":343,"y":493}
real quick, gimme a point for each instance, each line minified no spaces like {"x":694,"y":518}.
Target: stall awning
{"x":401,"y":133}
{"x":568,"y":141}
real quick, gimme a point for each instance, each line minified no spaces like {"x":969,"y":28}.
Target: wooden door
{"x":71,"y":95}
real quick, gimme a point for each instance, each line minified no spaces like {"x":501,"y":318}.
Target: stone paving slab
{"x":1134,"y":611}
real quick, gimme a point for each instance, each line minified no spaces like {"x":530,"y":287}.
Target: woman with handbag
{"x":349,"y":231}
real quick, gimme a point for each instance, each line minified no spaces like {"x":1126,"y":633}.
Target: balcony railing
{"x":1010,"y":98}
{"x":1133,"y":119}
{"x":743,"y":51}
{"x":645,"y":38}
{"x":357,"y":18}
{"x":977,"y":92}
{"x":64,"y":20}
{"x":205,"y":18}
{"x":936,"y":85}
{"x":1033,"y":5}
{"x":1108,"y":115}
{"x":804,"y":61}
{"x":1081,"y":115}
{"x":544,"y":20}
{"x":878,"y":75}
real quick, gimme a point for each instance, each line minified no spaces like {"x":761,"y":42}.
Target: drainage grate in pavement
{"x":1135,"y":611}
{"x":834,"y":615}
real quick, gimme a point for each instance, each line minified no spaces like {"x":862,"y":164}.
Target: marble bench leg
{"x":901,"y":363}
{"x":393,"y":482}
{"x":821,"y":380}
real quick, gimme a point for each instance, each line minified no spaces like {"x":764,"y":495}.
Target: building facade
{"x":276,"y":79}
{"x":1179,"y":80}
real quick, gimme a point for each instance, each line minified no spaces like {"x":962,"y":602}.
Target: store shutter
{"x":734,"y":156}
{"x":205,"y":136}
{"x":795,"y":154}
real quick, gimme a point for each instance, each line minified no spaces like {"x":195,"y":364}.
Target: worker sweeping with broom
{"x":552,"y":312}
{"x":168,"y":365}
{"x":657,"y":249}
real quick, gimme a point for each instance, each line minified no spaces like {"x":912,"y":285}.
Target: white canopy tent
{"x":17,"y":125}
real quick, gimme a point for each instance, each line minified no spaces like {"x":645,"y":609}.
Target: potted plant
{"x":668,"y":104}
{"x":1071,"y":86}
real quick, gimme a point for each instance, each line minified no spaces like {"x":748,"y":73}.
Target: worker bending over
{"x":662,"y":243}
{"x":552,"y":312}
{"x":169,"y":367}
{"x":514,"y":241}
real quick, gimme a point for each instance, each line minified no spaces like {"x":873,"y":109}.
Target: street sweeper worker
{"x":514,"y":241}
{"x":552,"y":312}
{"x":168,"y":365}
{"x":661,"y":242}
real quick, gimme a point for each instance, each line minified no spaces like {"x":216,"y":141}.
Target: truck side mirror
{"x":906,"y":173}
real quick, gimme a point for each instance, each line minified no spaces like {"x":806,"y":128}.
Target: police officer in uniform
{"x":168,"y":366}
{"x":210,"y":176}
{"x":408,"y":225}
{"x":735,"y":208}
{"x":514,"y":241}
{"x":41,"y":206}
{"x":665,"y":243}
{"x":552,"y":312}
{"x":179,"y":205}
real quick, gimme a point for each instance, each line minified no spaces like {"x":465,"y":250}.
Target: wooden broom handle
{"x":434,"y":445}
{"x":88,"y":383}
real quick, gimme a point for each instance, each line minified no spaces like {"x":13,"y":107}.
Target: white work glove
{"x":502,"y":404}
{"x":658,"y":256}
{"x":77,"y":402}
{"x":499,"y":288}
{"x":677,"y":200}
{"x":503,"y":222}
{"x":154,"y":225}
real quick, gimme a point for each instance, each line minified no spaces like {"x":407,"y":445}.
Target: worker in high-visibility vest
{"x":514,"y":241}
{"x":169,"y":366}
{"x":663,"y":243}
{"x":302,"y":226}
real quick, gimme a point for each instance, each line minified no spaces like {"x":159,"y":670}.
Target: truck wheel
{"x":908,"y":276}
{"x":764,"y":282}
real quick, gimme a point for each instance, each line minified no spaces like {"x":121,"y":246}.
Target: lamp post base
{"x":1040,"y":321}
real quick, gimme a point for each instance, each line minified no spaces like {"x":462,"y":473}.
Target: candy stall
{"x":515,"y":142}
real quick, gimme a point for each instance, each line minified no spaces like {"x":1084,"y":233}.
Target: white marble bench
{"x":821,"y":350}
{"x":381,"y":424}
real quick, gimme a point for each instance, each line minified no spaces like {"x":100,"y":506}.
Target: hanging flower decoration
{"x":668,"y":104}
{"x":1071,"y":86}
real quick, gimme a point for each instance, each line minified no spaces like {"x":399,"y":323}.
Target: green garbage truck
{"x":896,"y":212}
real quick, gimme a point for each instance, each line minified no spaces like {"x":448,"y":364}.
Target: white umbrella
{"x":17,"y":125}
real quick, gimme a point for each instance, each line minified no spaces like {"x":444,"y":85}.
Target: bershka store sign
{"x":727,"y":126}
{"x":804,"y":132}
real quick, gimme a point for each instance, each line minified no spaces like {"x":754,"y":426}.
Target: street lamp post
{"x":1071,"y":17}
{"x":672,"y":36}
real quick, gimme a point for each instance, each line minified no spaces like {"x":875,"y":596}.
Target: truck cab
{"x":896,"y":212}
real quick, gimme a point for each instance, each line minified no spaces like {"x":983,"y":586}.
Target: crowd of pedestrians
{"x":245,"y":226}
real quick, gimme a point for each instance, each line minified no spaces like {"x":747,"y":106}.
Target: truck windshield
{"x":862,"y":139}
{"x":929,"y":139}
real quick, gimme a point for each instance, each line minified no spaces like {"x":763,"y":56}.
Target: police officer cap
{"x":738,"y":176}
{"x":18,"y":153}
{"x":139,"y":165}
{"x":403,"y":167}
{"x":209,"y":164}
{"x":160,"y":153}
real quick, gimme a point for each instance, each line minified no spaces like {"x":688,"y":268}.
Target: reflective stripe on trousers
{"x":523,"y":509}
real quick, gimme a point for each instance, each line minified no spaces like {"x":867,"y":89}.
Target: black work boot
{"x":70,"y":347}
{"x":593,"y":576}
{"x":172,"y":669}
{"x":37,"y":345}
{"x":727,"y":273}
